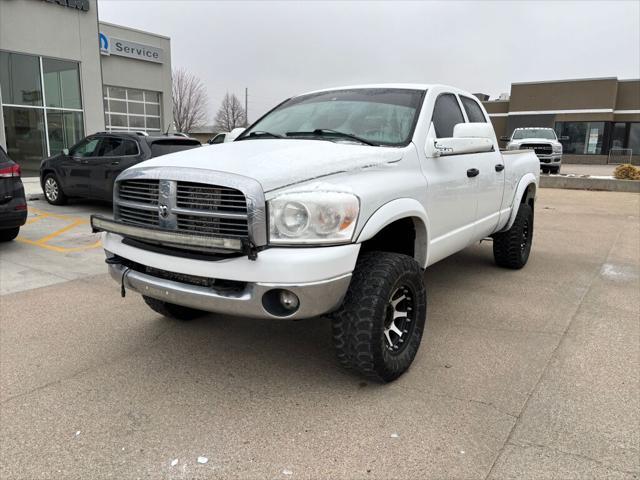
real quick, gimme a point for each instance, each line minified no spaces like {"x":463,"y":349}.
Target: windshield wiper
{"x":319,"y":132}
{"x":260,"y":134}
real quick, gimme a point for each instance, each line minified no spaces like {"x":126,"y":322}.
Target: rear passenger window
{"x":117,"y":147}
{"x":474,"y":112}
{"x":446,"y":115}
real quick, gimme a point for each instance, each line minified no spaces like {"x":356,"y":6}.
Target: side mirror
{"x":467,"y":138}
{"x":504,"y":138}
{"x":65,"y":152}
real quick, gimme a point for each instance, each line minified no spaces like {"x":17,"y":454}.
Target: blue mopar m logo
{"x":104,"y":44}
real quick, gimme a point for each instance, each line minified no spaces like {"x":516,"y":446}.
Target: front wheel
{"x":511,"y":249}
{"x":172,"y":310}
{"x":378,"y":328}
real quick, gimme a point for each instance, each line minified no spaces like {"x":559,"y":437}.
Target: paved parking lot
{"x":522,"y":374}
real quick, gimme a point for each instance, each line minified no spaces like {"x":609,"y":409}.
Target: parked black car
{"x":13,"y":203}
{"x":89,"y":168}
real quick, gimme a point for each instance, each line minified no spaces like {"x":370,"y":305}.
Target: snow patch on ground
{"x":623,"y":273}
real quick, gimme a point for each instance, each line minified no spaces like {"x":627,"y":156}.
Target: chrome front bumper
{"x":316,"y":298}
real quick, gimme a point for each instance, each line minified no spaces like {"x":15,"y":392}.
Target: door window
{"x":86,"y":148}
{"x":474,"y":112}
{"x":218,"y":139}
{"x":446,"y":115}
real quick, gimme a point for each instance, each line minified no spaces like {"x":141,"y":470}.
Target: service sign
{"x":126,"y":48}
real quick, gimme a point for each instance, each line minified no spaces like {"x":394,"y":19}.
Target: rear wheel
{"x":378,"y":328}
{"x":53,"y":191}
{"x":172,"y":310}
{"x":8,"y":234}
{"x":511,"y":249}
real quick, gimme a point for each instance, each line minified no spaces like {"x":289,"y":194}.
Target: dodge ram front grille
{"x":538,"y":148}
{"x":185,"y":207}
{"x":191,"y":209}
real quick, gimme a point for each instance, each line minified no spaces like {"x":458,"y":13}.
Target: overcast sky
{"x":278,"y":49}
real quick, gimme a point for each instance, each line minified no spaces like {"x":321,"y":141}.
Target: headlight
{"x":313,"y":217}
{"x":557,"y":149}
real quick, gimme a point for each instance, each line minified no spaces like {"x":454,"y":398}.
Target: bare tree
{"x":231,"y":114}
{"x":189,"y":101}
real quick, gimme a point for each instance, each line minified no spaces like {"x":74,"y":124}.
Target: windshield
{"x":384,"y":116}
{"x":546,"y":133}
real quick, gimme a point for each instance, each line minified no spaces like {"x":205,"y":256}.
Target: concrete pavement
{"x":522,"y":374}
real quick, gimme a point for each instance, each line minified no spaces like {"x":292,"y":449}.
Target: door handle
{"x":115,"y":163}
{"x":472,"y":172}
{"x":84,"y":161}
{"x":499,"y":167}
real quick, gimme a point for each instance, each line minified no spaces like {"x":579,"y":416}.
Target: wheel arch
{"x":400,"y":216}
{"x":526,"y":192}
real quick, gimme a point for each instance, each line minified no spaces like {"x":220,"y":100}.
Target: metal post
{"x":246,"y":106}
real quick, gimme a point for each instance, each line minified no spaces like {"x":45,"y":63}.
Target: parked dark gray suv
{"x":89,"y":168}
{"x":13,"y":204}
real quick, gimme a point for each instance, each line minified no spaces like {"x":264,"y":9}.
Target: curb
{"x":589,"y":183}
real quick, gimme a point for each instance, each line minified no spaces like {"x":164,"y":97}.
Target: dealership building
{"x":65,"y":75}
{"x":597,"y":116}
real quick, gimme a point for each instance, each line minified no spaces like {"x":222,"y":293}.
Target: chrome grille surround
{"x":192,"y":201}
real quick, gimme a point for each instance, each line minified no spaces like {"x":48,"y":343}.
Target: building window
{"x":131,"y":109}
{"x":634,"y":138}
{"x":41,"y":106}
{"x":583,"y":138}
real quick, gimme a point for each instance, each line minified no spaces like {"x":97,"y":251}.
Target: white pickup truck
{"x":333,"y":203}
{"x":543,"y":141}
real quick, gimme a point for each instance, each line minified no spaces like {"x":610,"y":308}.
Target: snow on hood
{"x":277,"y":163}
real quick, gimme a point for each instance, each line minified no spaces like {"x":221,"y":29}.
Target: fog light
{"x":280,"y":303}
{"x":289,"y":300}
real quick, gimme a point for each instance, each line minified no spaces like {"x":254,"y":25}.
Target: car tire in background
{"x":8,"y":234}
{"x":555,"y":170}
{"x":378,"y":328}
{"x":172,"y":310}
{"x":52,"y":190}
{"x":511,"y":248}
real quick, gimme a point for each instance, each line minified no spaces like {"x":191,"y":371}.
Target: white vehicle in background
{"x":543,"y":141}
{"x":332,"y":204}
{"x":224,"y":137}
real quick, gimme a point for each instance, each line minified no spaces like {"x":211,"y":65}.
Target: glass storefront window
{"x":584,"y":138}
{"x":61,"y":83}
{"x":20,"y":79}
{"x":24,"y":129}
{"x":42,"y":109}
{"x":65,"y":129}
{"x":131,"y":109}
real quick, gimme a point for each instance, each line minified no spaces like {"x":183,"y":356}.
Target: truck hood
{"x":279,"y":163}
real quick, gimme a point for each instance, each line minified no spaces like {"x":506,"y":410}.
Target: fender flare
{"x":396,"y":210}
{"x":525,"y":181}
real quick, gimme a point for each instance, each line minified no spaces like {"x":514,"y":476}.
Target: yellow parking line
{"x":60,"y":232}
{"x":59,"y":249}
